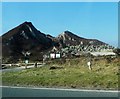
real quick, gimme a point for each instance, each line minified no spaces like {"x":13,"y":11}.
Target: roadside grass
{"x":74,"y":74}
{"x":1,"y":78}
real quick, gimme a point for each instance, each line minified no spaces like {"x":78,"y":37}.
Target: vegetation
{"x":73,"y":74}
{"x":117,"y":51}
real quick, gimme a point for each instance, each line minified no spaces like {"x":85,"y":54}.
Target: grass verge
{"x":74,"y":74}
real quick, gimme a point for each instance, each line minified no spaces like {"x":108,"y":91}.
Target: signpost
{"x":26,"y":55}
{"x":26,"y":62}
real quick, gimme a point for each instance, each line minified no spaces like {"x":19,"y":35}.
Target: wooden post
{"x":25,"y":66}
{"x":35,"y":65}
{"x":89,"y":65}
{"x":26,"y":62}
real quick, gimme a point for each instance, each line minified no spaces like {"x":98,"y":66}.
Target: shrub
{"x":117,"y":51}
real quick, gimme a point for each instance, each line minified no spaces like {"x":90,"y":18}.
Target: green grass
{"x":74,"y":74}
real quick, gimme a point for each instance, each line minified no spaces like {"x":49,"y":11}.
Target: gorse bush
{"x":117,"y":51}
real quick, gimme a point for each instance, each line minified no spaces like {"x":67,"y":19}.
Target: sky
{"x":94,"y":20}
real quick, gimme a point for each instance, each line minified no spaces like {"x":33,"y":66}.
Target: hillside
{"x":25,"y":38}
{"x":68,"y":38}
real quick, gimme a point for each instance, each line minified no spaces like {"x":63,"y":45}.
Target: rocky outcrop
{"x":68,"y":38}
{"x":25,"y":38}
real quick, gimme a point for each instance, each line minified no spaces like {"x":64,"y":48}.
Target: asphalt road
{"x":54,"y":92}
{"x":19,"y":68}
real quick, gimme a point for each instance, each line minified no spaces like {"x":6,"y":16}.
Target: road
{"x":54,"y":92}
{"x":20,"y":68}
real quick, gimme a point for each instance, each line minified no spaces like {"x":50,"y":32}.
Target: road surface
{"x":8,"y":91}
{"x":19,"y":68}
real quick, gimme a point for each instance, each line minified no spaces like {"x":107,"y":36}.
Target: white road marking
{"x":112,"y":91}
